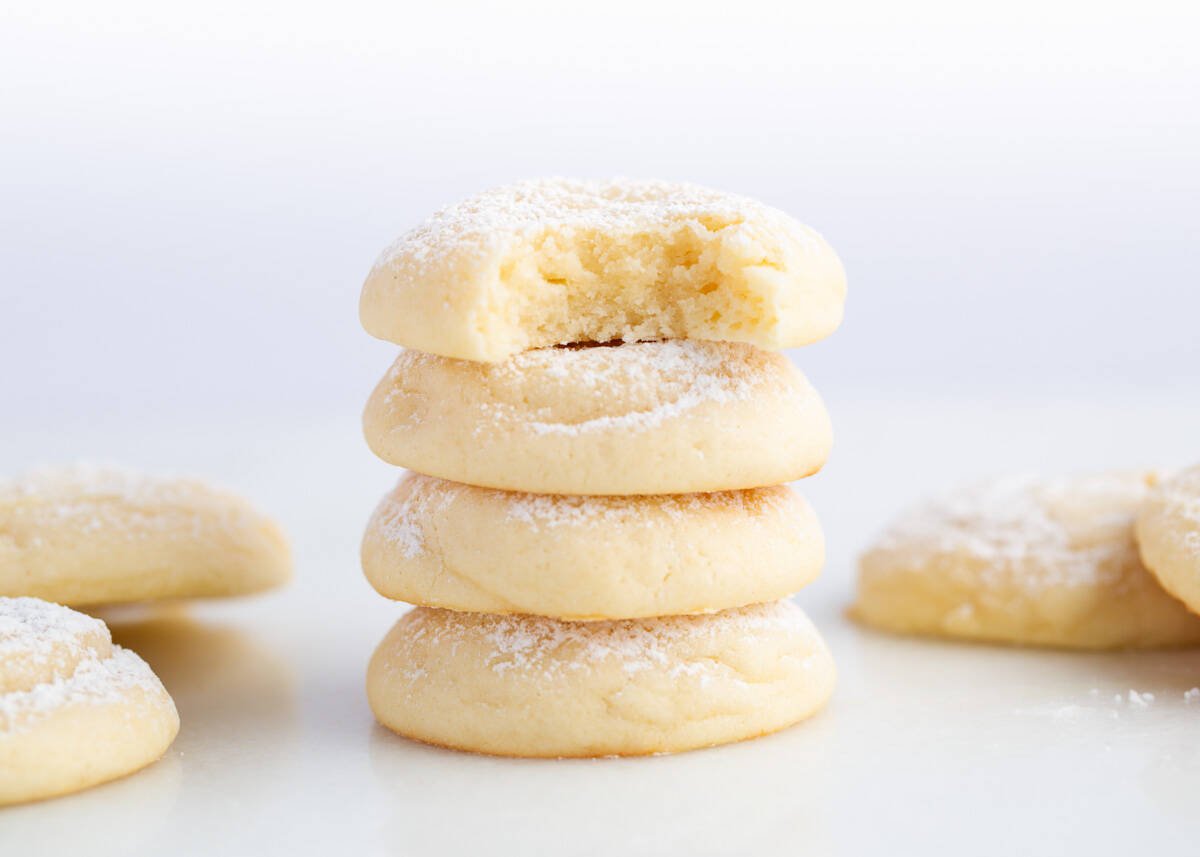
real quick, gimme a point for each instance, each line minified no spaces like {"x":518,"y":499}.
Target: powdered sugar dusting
{"x":52,"y":656}
{"x":669,"y":378}
{"x":533,"y":644}
{"x":418,"y":502}
{"x":32,"y":628}
{"x":95,"y":682}
{"x":1099,"y":704}
{"x":69,"y":482}
{"x":1029,"y":531}
{"x":89,"y":498}
{"x":400,"y":518}
{"x":489,"y":223}
{"x":552,"y":510}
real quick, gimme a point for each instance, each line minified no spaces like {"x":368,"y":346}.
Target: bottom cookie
{"x":531,"y":686}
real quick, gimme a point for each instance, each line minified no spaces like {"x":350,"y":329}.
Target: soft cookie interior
{"x":691,"y":279}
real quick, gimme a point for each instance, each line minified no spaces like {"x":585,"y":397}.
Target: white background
{"x":190,"y":197}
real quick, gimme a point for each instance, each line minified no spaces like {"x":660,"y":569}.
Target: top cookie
{"x":557,"y":261}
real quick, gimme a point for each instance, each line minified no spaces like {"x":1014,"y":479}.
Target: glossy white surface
{"x":930,"y":747}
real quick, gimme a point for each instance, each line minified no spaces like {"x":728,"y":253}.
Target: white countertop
{"x":926,"y":746}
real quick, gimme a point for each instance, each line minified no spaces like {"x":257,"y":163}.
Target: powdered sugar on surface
{"x":92,"y":479}
{"x":491,"y":223}
{"x":88,"y":498}
{"x":1106,"y":705}
{"x":538,"y":645}
{"x":37,"y":634}
{"x":552,"y":511}
{"x":1028,"y":531}
{"x":32,"y":629}
{"x":575,"y":390}
{"x":95,"y":682}
{"x":636,"y":386}
{"x":401,"y":517}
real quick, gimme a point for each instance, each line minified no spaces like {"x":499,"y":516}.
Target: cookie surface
{"x":445,"y":544}
{"x":75,"y":710}
{"x":528,"y":686}
{"x":1168,"y":533}
{"x":96,"y":534}
{"x":641,"y":418}
{"x":1028,"y":561}
{"x":558,"y":261}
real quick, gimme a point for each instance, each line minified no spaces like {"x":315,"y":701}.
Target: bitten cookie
{"x":528,"y":686}
{"x":98,"y":534}
{"x":1025,"y":560}
{"x":445,"y":544}
{"x":1168,"y":533}
{"x":643,"y":418}
{"x":557,"y":261}
{"x":75,"y":710}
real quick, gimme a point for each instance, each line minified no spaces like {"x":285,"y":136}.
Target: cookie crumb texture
{"x":557,"y":261}
{"x":1025,"y":560}
{"x":530,"y":686}
{"x":75,"y":710}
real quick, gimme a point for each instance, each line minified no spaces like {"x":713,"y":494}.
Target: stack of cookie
{"x":599,"y":428}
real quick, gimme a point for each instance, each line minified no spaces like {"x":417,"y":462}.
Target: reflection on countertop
{"x":224,"y":680}
{"x":238,"y":709}
{"x":740,"y":798}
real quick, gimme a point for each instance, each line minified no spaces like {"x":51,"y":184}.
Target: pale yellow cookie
{"x":75,"y":710}
{"x":557,"y":261}
{"x":1168,"y":533}
{"x":530,"y":686}
{"x":445,"y":544}
{"x":91,"y":534}
{"x":642,"y":418}
{"x":1025,"y":560}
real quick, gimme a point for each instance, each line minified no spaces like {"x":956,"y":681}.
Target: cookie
{"x":669,"y":417}
{"x":75,"y":710}
{"x":1168,"y":534}
{"x":445,"y":544}
{"x":558,"y":261}
{"x":92,"y":534}
{"x":531,"y":686}
{"x":1025,"y":560}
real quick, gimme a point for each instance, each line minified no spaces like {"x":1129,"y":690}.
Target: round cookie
{"x":557,"y":261}
{"x":92,"y":534}
{"x":530,"y":686}
{"x":1024,"y":560}
{"x":75,"y":710}
{"x":445,"y":544}
{"x":670,"y":417}
{"x":1168,"y":534}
